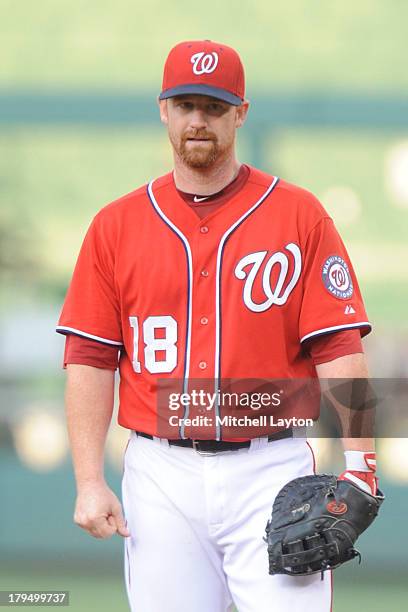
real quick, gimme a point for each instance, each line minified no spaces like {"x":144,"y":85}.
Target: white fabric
{"x":356,"y":461}
{"x":197,"y":524}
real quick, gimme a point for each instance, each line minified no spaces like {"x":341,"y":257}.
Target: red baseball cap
{"x":204,"y":67}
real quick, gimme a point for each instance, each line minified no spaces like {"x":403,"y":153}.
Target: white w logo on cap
{"x":204,"y":63}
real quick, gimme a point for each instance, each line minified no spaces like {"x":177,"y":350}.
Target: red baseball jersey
{"x":231,"y":296}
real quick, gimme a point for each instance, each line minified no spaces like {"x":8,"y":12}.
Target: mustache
{"x":199,"y":134}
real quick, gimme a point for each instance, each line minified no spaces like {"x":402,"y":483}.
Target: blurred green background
{"x":79,"y":127}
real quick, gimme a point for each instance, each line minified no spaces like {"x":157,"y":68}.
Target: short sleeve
{"x":331,"y":299}
{"x":91,"y":308}
{"x":332,"y":346}
{"x":83,"y":351}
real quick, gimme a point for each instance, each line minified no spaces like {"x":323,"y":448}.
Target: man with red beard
{"x":214,"y":271}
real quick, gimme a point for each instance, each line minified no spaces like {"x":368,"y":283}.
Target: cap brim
{"x":201,"y":90}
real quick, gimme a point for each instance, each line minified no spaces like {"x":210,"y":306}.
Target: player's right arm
{"x":89,"y":405}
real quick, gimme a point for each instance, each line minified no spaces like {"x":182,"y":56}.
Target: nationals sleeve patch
{"x":337,"y":278}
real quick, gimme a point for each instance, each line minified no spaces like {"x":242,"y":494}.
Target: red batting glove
{"x":360,"y":470}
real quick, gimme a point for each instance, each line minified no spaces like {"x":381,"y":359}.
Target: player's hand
{"x":99,"y":512}
{"x":361,"y":470}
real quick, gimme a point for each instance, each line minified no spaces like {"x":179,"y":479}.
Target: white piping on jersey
{"x":190,"y":294}
{"x":335,"y":328}
{"x":79,"y":332}
{"x":218,"y":297}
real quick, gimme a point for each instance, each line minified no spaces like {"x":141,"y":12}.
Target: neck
{"x":205,"y":181}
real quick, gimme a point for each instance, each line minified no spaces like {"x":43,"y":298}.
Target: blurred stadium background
{"x":79,"y":128}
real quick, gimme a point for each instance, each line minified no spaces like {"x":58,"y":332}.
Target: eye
{"x":217,"y":108}
{"x":185,"y":105}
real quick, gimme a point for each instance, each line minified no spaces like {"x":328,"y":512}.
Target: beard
{"x":198,"y":154}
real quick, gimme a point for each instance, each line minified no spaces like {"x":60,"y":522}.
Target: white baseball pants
{"x":197,"y":524}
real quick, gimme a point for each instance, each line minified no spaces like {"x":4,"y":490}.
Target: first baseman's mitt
{"x":315,"y":523}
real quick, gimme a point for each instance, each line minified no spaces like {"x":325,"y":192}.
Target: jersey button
{"x":204,"y":273}
{"x":204,"y":229}
{"x":203,"y":320}
{"x":202,"y":365}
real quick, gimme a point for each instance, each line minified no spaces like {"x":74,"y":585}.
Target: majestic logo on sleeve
{"x":283,"y":283}
{"x":336,"y":277}
{"x":204,"y":63}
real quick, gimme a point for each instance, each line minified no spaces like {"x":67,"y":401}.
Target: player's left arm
{"x":359,"y":450}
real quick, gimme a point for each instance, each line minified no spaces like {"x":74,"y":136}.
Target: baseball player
{"x":214,"y":272}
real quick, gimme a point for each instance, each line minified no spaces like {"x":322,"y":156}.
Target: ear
{"x":163,"y":111}
{"x":242,"y":112}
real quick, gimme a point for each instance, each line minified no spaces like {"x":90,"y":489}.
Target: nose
{"x":198,"y":119}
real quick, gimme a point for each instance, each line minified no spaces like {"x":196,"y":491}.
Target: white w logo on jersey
{"x":273,"y":296}
{"x":204,"y":63}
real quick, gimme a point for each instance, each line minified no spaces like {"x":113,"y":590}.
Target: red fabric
{"x":331,"y":297}
{"x":366,"y":478}
{"x":134,"y":275}
{"x":204,"y":62}
{"x":331,"y":346}
{"x":323,"y":349}
{"x":214,"y":201}
{"x":362,"y":479}
{"x":90,"y":352}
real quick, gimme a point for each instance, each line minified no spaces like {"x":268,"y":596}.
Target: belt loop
{"x":254,"y":445}
{"x":257,"y":443}
{"x":161,"y":441}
